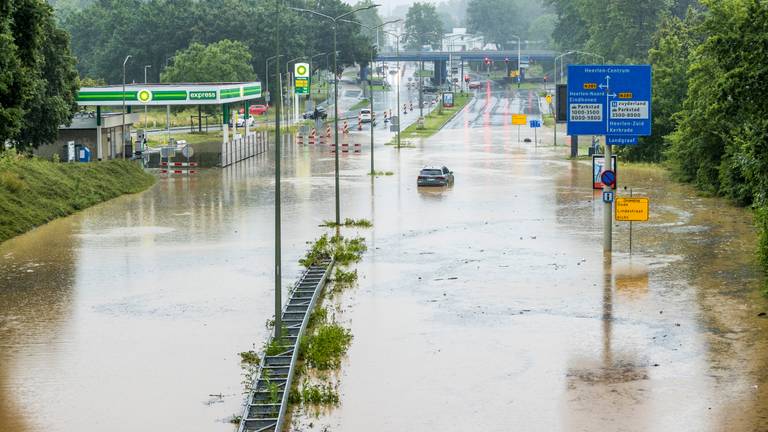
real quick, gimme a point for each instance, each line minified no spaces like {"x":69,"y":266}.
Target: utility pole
{"x":278,"y":210}
{"x":122,"y":131}
{"x":145,"y":82}
{"x":370,"y":78}
{"x":335,"y":20}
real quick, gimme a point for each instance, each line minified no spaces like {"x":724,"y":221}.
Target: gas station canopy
{"x":169,"y":94}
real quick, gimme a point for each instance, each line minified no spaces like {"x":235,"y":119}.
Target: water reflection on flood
{"x":485,"y":305}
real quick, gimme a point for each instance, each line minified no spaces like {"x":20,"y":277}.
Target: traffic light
{"x":506,"y":60}
{"x":546,"y":78}
{"x":466,"y":78}
{"x":487,"y":61}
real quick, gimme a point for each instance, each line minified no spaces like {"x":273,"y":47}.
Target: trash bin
{"x":84,"y":154}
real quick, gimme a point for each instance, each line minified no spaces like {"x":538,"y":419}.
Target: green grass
{"x":35,"y":191}
{"x":348,"y":222}
{"x":345,"y":251}
{"x":315,"y":394}
{"x":324,"y":348}
{"x":382,"y":173}
{"x":158,"y":140}
{"x":362,"y":104}
{"x":434,"y":121}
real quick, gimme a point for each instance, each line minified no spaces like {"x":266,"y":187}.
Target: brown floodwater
{"x":486,"y":305}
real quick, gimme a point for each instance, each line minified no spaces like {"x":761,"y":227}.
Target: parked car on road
{"x":435,"y":176}
{"x":258,"y":109}
{"x":475,"y":85}
{"x":241,"y":122}
{"x":429,"y":89}
{"x":365,"y":115}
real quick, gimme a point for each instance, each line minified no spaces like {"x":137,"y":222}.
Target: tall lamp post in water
{"x":122,"y":131}
{"x":399,"y":76}
{"x":335,"y":20}
{"x":370,"y":78}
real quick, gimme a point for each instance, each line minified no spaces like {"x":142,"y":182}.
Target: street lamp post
{"x":335,"y":20}
{"x":519,"y":42}
{"x":122,"y":131}
{"x":397,"y":51}
{"x":145,"y":82}
{"x":278,"y":209}
{"x":266,"y":75}
{"x":312,"y":73}
{"x":370,"y":78}
{"x":560,"y":57}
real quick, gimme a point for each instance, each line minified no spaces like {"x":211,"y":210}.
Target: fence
{"x":237,"y":150}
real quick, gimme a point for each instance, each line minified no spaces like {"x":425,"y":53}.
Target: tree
{"x":224,"y":61}
{"x":571,"y":30}
{"x":498,"y":20}
{"x":669,"y":57}
{"x":423,"y":26}
{"x":38,"y":82}
{"x":721,"y":143}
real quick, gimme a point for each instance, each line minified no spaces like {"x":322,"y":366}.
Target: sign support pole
{"x":630,"y":227}
{"x":608,"y":208}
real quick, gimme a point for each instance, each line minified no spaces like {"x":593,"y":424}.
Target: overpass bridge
{"x":441,"y":58}
{"x":539,"y":56}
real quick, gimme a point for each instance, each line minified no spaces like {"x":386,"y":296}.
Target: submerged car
{"x":435,"y":176}
{"x":475,"y":85}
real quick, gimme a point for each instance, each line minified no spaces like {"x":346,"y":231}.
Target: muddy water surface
{"x":487,"y":305}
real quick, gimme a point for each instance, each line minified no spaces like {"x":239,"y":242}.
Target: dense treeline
{"x":38,"y":79}
{"x":710,"y":80}
{"x":152,"y":31}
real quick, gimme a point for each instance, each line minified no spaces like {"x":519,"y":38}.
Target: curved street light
{"x":122,"y":131}
{"x":335,"y":20}
{"x":370,"y":78}
{"x":560,"y":57}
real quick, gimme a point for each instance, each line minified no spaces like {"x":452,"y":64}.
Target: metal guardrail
{"x":236,"y":150}
{"x":275,"y":374}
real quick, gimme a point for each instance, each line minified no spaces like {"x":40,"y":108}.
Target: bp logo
{"x":145,"y":96}
{"x":301,"y":70}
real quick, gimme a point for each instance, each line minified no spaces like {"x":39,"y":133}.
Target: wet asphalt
{"x":486,"y":305}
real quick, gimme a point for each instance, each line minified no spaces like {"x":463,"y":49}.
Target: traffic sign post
{"x":610,"y":100}
{"x":519,"y":120}
{"x":535,"y":125}
{"x":632,"y":210}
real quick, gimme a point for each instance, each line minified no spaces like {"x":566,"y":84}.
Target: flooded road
{"x":487,"y":305}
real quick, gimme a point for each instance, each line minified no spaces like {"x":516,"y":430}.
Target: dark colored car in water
{"x":432,"y":176}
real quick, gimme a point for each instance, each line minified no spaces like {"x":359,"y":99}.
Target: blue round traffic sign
{"x":608,"y":178}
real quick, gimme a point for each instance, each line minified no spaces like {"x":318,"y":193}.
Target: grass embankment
{"x":435,"y":120}
{"x":35,"y":191}
{"x":158,"y":140}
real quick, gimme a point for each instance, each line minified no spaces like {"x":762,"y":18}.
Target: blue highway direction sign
{"x":609,"y":100}
{"x":535,"y":124}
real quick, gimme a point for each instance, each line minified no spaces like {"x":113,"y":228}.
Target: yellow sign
{"x":625,"y":95}
{"x":513,"y":74}
{"x":519,"y":119}
{"x":632,"y":209}
{"x":590,"y":86}
{"x":549,"y":99}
